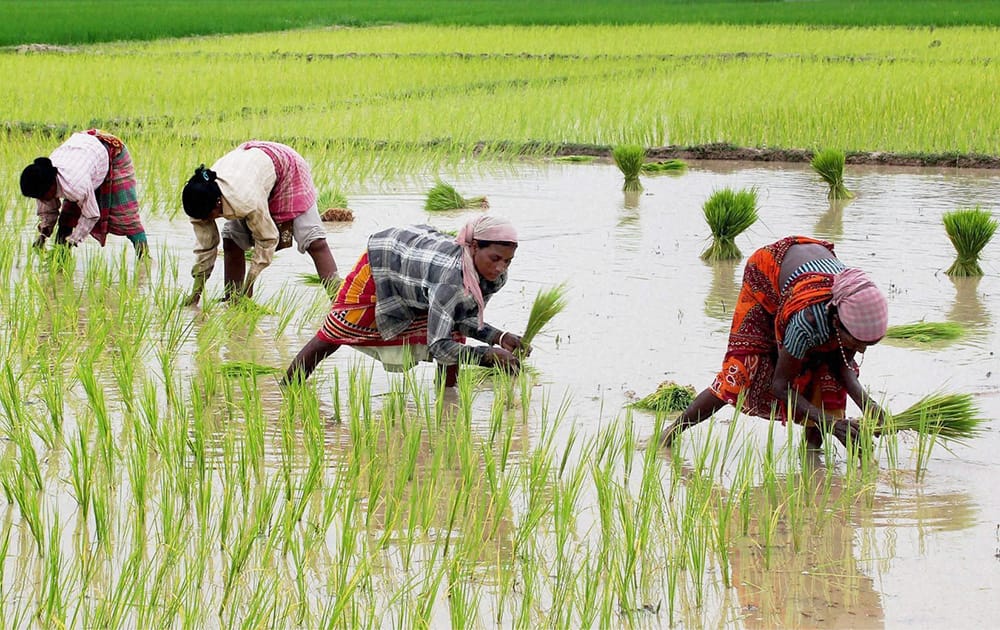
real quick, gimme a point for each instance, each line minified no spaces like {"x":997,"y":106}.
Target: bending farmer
{"x":266,"y":192}
{"x":87,"y":186}
{"x":418,"y":291}
{"x":800,"y":319}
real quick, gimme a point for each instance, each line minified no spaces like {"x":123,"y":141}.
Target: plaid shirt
{"x":82,"y":165}
{"x":418,"y":270}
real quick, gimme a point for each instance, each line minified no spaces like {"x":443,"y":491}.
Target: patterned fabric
{"x":116,"y":198}
{"x":352,"y":322}
{"x":760,"y":320}
{"x":294,"y":192}
{"x":861,"y":306}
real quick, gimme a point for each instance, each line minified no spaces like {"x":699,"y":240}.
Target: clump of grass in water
{"x":728,"y":214}
{"x":951,"y":417}
{"x":665,"y":166}
{"x":575,"y":158}
{"x":629,"y":159}
{"x":247,"y":368}
{"x":969,"y":230}
{"x":829,"y":164}
{"x":669,"y":396}
{"x":548,"y":303}
{"x":443,"y":196}
{"x":926,"y":332}
{"x":335,"y":204}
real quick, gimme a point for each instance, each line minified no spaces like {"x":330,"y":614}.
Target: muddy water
{"x":644,"y":308}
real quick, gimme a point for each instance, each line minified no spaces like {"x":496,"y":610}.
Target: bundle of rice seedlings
{"x":548,"y":303}
{"x":829,"y":164}
{"x":665,"y":166}
{"x":575,"y":158}
{"x":926,"y":332}
{"x":629,"y":158}
{"x":969,"y":230}
{"x":311,"y":278}
{"x":247,"y":368}
{"x":332,"y":199}
{"x":728,"y":214}
{"x":951,"y":417}
{"x":669,"y":396}
{"x":443,"y":196}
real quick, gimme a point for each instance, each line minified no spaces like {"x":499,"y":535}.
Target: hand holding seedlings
{"x":514,"y":344}
{"x":501,"y":358}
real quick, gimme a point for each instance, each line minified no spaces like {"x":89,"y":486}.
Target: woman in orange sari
{"x":801,"y":318}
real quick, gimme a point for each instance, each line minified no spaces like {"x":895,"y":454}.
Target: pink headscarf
{"x":485,"y":227}
{"x":861,"y":306}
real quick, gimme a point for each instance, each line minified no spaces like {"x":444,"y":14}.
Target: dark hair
{"x":37,"y":178}
{"x":482,"y":243}
{"x":201,"y":193}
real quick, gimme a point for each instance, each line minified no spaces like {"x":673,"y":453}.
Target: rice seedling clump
{"x":443,"y":196}
{"x":668,"y":397}
{"x":969,"y":230}
{"x":665,"y":166}
{"x":926,"y":332}
{"x":829,"y":164}
{"x":728,"y":214}
{"x":548,"y":303}
{"x":629,"y":158}
{"x":951,"y":417}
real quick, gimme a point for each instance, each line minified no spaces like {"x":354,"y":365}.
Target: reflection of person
{"x":266,"y":192}
{"x":417,"y":290}
{"x":800,"y":318}
{"x":93,"y":176}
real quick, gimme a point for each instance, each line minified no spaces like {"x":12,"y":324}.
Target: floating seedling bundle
{"x":728,"y":214}
{"x":829,"y":164}
{"x":443,"y":196}
{"x":668,"y":397}
{"x":926,"y":332}
{"x":969,"y":230}
{"x":665,"y":166}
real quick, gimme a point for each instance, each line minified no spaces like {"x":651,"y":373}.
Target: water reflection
{"x":968,"y":308}
{"x":723,"y":291}
{"x":830,"y":225}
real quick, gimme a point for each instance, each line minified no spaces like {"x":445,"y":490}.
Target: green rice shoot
{"x":728,"y":213}
{"x":665,"y":166}
{"x":926,"y":332}
{"x":585,"y":159}
{"x":951,"y":417}
{"x":331,"y":199}
{"x":668,"y":397}
{"x":629,"y":159}
{"x":829,"y":164}
{"x":311,"y":279}
{"x":548,"y":303}
{"x":247,"y":368}
{"x":969,"y":230}
{"x":443,"y":196}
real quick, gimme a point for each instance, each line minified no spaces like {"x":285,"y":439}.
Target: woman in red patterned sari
{"x":800,"y":319}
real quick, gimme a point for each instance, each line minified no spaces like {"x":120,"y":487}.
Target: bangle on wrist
{"x":500,"y":340}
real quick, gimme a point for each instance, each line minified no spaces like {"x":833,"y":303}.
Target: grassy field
{"x":76,"y":22}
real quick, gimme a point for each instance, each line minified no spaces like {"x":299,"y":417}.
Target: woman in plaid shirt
{"x":800,"y":319}
{"x":415,"y":294}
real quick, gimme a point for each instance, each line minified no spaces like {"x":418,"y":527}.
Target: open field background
{"x":74,"y":21}
{"x":151,"y":479}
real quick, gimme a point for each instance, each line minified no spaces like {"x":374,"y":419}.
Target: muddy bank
{"x":725,"y":151}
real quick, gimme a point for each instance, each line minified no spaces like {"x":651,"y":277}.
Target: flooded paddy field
{"x":572,"y":522}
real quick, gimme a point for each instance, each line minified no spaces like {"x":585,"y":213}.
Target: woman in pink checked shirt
{"x":266,"y":193}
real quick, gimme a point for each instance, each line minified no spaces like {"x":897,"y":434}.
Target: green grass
{"x":76,"y":22}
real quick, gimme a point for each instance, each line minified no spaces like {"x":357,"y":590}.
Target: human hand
{"x":193,"y":299}
{"x":39,"y":242}
{"x":503,"y":359}
{"x":512,"y":343}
